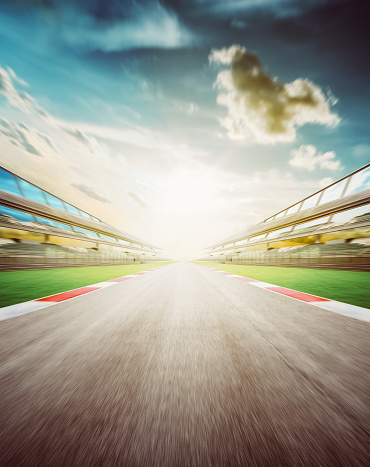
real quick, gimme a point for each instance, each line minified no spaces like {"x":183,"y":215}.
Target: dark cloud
{"x":91,"y":192}
{"x":33,"y":3}
{"x":100,"y":10}
{"x":335,"y":27}
{"x":336,"y":31}
{"x":111,"y":11}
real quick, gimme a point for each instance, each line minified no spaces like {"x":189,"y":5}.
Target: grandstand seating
{"x":39,"y":229}
{"x":331,"y":227}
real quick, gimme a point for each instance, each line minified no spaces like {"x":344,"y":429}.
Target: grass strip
{"x":21,"y":286}
{"x":351,"y":287}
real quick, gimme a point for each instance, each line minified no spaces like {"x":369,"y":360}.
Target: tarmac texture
{"x":184,"y":367}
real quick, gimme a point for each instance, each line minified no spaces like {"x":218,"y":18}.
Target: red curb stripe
{"x":138,"y":273}
{"x":227,"y":273}
{"x":246,"y":279}
{"x":66,"y":295}
{"x":119,"y":279}
{"x":299,"y":295}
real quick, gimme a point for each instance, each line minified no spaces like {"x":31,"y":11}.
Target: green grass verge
{"x":21,"y":286}
{"x":345,"y":286}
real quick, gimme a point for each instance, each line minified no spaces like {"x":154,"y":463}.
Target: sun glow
{"x":187,"y":193}
{"x":183,"y":213}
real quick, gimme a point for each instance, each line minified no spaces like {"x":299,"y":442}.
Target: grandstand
{"x":38,"y":229}
{"x":330,"y":228}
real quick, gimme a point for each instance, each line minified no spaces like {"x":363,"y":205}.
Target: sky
{"x":184,"y":122}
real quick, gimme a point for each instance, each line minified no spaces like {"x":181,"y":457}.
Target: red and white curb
{"x":33,"y":305}
{"x":357,"y":312}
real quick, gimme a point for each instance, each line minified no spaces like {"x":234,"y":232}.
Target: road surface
{"x":184,"y":367}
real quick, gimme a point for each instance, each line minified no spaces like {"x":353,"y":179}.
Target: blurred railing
{"x":337,"y":256}
{"x":33,"y":256}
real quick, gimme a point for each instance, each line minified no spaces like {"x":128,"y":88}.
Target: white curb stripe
{"x":102,"y":284}
{"x":21,"y":309}
{"x":262,"y":285}
{"x":353,"y":311}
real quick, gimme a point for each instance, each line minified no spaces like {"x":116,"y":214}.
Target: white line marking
{"x":101,"y":284}
{"x":261,"y":284}
{"x":21,"y":309}
{"x":357,"y":312}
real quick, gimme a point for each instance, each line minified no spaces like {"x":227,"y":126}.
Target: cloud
{"x":146,"y":26}
{"x":18,"y":98}
{"x":81,"y":137}
{"x":110,"y":26}
{"x":137,"y":136}
{"x":91,"y":192}
{"x":307,"y":157}
{"x":88,"y":142}
{"x":260,"y":106}
{"x":16,"y":78}
{"x":29,"y":139}
{"x":325,"y":182}
{"x":32,"y":140}
{"x":90,"y":139}
{"x":193,"y":108}
{"x":136,"y":198}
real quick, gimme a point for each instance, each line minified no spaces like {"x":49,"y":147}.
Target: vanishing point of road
{"x":184,"y":367}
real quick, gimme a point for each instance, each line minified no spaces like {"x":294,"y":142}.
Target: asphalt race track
{"x":184,"y":367}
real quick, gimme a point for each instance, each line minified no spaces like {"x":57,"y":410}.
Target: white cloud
{"x":137,"y":136}
{"x":28,"y":139}
{"x":138,"y":200}
{"x":193,"y":108}
{"x":160,"y":171}
{"x":151,"y":25}
{"x":104,"y":187}
{"x":92,"y":192}
{"x":260,"y":106}
{"x":325,"y":182}
{"x":88,"y":142}
{"x":90,"y":136}
{"x":18,"y":98}
{"x":307,"y":157}
{"x":16,"y":78}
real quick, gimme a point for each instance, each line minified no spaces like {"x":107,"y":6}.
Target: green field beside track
{"x":21,"y":286}
{"x":345,"y":286}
